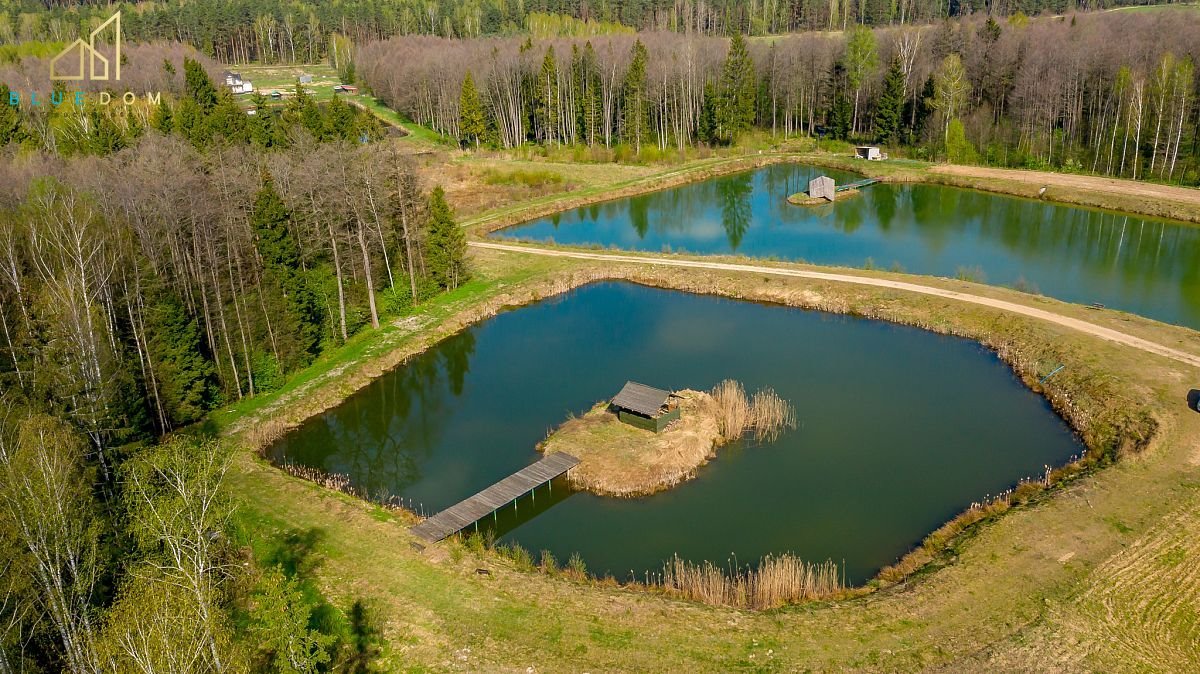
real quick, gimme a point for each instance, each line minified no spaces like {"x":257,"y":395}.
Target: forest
{"x":145,"y":281}
{"x":1103,"y":93}
{"x":300,"y":31}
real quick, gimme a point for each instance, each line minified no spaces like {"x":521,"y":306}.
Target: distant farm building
{"x":349,"y":89}
{"x":276,"y":95}
{"x":869,"y":152}
{"x":306,"y":79}
{"x":645,"y":407}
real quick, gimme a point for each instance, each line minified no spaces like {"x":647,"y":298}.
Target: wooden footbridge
{"x":824,"y":187}
{"x":857,"y":184}
{"x":469,"y":511}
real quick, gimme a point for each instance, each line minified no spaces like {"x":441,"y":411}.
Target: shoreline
{"x":1106,"y":434}
{"x":1119,"y":200}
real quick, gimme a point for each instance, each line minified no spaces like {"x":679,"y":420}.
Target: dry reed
{"x":778,"y":580}
{"x":765,"y":413}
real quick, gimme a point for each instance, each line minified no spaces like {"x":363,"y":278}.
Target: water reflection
{"x":1142,"y":265}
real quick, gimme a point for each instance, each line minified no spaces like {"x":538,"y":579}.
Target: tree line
{"x":303,"y":31}
{"x":1106,"y":93}
{"x":190,"y":104}
{"x":138,"y":291}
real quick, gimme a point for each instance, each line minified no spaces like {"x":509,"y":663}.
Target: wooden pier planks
{"x":466,"y":512}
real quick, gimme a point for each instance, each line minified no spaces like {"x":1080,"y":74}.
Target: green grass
{"x":283,"y":78}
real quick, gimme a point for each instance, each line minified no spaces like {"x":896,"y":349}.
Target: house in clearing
{"x":236,"y":84}
{"x":645,"y":407}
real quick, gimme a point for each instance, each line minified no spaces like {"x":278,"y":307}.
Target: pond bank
{"x":1125,"y":196}
{"x":1108,"y":418}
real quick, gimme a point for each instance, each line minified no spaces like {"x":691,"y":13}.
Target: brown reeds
{"x":776,"y":581}
{"x":765,"y":413}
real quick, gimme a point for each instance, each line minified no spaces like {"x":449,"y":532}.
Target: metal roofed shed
{"x":645,"y":407}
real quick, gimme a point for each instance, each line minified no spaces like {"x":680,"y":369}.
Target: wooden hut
{"x":645,"y":406}
{"x":822,"y":187}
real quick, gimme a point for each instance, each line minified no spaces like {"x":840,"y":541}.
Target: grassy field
{"x":1089,"y":576}
{"x":282,"y":78}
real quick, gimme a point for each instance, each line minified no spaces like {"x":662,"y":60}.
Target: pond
{"x":898,"y":429}
{"x":1141,"y":265}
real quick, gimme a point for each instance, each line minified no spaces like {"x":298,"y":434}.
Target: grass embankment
{"x":1049,"y":584}
{"x":617,"y":459}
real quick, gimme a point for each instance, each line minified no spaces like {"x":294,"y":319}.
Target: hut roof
{"x":641,"y":399}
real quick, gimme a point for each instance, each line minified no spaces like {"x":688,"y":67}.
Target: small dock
{"x":469,"y":511}
{"x":857,"y":184}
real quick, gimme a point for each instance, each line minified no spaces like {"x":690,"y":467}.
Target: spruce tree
{"x":186,"y":382}
{"x":446,"y":244}
{"x":198,"y":86}
{"x":891,"y":104}
{"x":299,"y":311}
{"x":10,"y":118}
{"x":735,"y":111}
{"x":162,"y":120}
{"x":634,"y":109}
{"x":472,"y":123}
{"x":546,"y":110}
{"x":706,"y":125}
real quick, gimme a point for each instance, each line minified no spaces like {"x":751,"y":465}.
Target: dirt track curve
{"x":1108,"y":334}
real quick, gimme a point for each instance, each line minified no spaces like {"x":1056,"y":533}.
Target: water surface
{"x":899,"y":429}
{"x":1142,"y":265}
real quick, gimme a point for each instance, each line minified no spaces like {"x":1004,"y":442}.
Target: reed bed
{"x":342,"y":483}
{"x":764,"y":413}
{"x":777,"y":580}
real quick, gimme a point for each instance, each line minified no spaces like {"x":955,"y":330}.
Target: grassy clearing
{"x":282,"y":78}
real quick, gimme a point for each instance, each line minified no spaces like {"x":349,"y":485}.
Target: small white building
{"x":869,"y":152}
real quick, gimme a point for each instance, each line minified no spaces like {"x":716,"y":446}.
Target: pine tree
{"x":735,"y":109}
{"x":634,"y":108}
{"x":890,"y":105}
{"x":446,"y":244}
{"x":472,"y":122}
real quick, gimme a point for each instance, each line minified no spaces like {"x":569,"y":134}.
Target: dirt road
{"x":1010,"y":307}
{"x":1182,"y":195}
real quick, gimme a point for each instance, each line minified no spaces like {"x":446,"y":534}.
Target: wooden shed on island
{"x":645,"y":406}
{"x":822,"y":187}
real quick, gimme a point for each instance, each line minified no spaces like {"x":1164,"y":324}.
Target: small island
{"x":647,"y":440}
